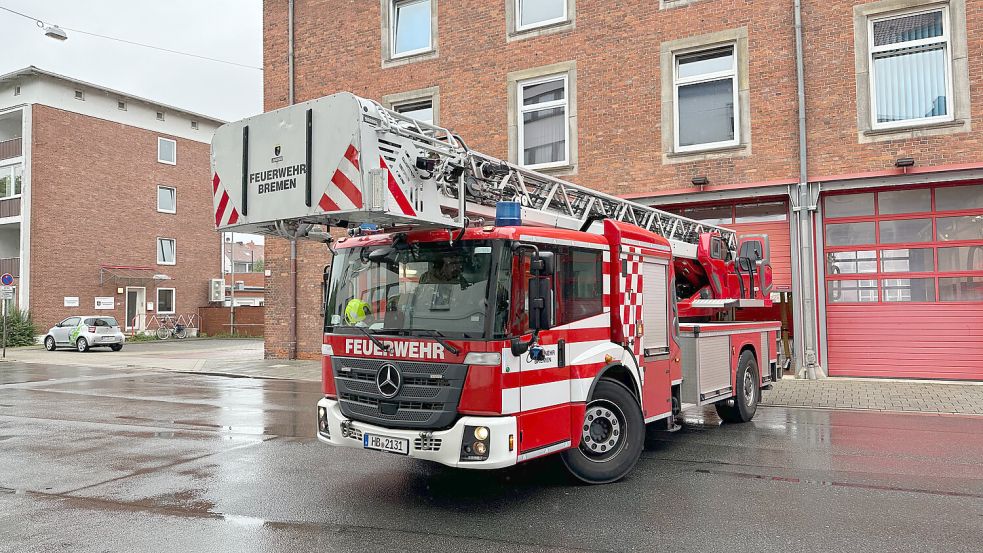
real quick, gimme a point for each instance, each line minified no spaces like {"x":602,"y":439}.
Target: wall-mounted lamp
{"x":903,"y":162}
{"x":700,"y":181}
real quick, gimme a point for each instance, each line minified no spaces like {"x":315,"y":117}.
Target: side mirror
{"x":540,"y":303}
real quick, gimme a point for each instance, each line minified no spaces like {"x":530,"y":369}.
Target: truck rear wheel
{"x":612,"y":437}
{"x":742,"y":406}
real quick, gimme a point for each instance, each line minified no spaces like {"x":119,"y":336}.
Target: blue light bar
{"x":508,"y":214}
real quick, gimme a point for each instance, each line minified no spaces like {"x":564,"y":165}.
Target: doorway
{"x":136,"y":308}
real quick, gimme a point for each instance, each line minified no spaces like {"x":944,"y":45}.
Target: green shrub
{"x":20,"y":328}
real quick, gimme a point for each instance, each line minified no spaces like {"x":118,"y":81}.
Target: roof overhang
{"x":123,"y":274}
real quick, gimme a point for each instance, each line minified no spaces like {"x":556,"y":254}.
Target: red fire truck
{"x":479,"y":314}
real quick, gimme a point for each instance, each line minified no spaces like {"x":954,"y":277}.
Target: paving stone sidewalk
{"x":878,"y":395}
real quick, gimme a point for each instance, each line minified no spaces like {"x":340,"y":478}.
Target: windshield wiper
{"x":440,"y":338}
{"x":379,"y":343}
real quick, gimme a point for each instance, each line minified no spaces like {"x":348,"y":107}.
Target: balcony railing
{"x":10,"y":148}
{"x":10,"y":265}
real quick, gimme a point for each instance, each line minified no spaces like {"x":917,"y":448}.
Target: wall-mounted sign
{"x":71,"y":301}
{"x":106,"y":303}
{"x":150,"y":306}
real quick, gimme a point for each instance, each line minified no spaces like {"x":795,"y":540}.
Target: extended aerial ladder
{"x":398,"y":171}
{"x":344,"y":161}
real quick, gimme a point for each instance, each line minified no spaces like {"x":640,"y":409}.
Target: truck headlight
{"x":481,"y":433}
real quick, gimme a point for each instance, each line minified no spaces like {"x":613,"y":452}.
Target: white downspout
{"x":293,"y":243}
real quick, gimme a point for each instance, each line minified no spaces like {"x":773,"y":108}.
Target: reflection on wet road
{"x":129,"y":460}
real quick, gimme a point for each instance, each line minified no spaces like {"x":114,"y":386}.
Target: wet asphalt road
{"x":129,"y":460}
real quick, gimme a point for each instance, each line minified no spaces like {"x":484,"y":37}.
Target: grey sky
{"x":224,"y":29}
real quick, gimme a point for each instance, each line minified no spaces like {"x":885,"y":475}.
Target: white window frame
{"x":159,"y":210}
{"x":945,"y":39}
{"x":173,"y":301}
{"x":519,"y":27}
{"x":160,"y":251}
{"x":522,"y":109}
{"x":677,"y":82}
{"x":394,"y":6}
{"x":10,"y":168}
{"x":161,"y":139}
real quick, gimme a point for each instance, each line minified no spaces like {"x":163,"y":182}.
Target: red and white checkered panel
{"x":631,"y":306}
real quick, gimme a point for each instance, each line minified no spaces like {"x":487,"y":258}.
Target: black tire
{"x":116,"y":347}
{"x":613,"y":436}
{"x":181,"y":333}
{"x":742,"y":406}
{"x":82,"y":345}
{"x":49,"y":343}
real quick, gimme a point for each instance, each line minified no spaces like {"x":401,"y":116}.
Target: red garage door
{"x":904,"y":283}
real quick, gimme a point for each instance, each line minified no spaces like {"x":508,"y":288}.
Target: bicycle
{"x":169,"y":326}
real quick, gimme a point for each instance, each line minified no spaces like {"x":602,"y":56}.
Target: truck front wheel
{"x":742,"y":406}
{"x":612,"y":436}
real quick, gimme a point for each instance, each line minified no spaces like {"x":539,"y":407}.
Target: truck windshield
{"x":414,"y":291}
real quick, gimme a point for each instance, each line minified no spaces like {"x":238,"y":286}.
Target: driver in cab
{"x":446,"y":270}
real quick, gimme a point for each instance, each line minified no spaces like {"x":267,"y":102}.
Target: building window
{"x":167,"y":151}
{"x":421,"y":110}
{"x":706,"y":99}
{"x":79,"y":95}
{"x":11,"y":178}
{"x":160,"y":115}
{"x":165,"y":300}
{"x":539,"y":13}
{"x":166,"y":199}
{"x":910,"y":68}
{"x":194,"y":125}
{"x":17,"y":90}
{"x":166,"y":254}
{"x":544,"y":132}
{"x":121,"y":105}
{"x":410,"y":24}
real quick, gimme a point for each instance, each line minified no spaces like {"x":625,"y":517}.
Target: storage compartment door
{"x":655,"y":307}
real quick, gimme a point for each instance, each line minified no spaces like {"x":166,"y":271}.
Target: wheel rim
{"x":749,"y":390}
{"x":604,"y":431}
{"x":49,"y":342}
{"x":81,"y":344}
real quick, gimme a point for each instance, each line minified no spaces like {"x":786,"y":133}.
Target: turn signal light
{"x":608,"y":358}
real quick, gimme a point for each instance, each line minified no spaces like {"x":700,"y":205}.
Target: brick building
{"x":693,"y":106}
{"x":104,"y":201}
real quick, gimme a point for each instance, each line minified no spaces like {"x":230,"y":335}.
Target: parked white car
{"x":85,"y":332}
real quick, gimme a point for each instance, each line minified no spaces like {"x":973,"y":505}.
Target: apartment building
{"x":692,"y":106}
{"x":105,"y":204}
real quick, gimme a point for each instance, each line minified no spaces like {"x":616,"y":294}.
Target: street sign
{"x":6,"y":279}
{"x":7,"y":292}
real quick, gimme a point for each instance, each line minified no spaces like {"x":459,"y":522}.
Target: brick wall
{"x":216,"y":320}
{"x":616,"y":47}
{"x":94,"y":202}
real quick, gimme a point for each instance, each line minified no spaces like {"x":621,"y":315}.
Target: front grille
{"x":427,"y":398}
{"x":427,"y":444}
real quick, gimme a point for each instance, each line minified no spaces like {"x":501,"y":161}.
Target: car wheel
{"x":613,"y":436}
{"x":49,"y":343}
{"x":116,"y":347}
{"x":82,"y":344}
{"x":742,"y":406}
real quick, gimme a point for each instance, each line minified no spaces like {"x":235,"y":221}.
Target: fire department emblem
{"x":388,"y":380}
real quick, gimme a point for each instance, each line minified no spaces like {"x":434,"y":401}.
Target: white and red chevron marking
{"x":342,"y":194}
{"x":396,"y":192}
{"x":222,"y":212}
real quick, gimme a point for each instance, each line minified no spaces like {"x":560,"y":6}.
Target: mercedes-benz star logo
{"x":388,"y":380}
